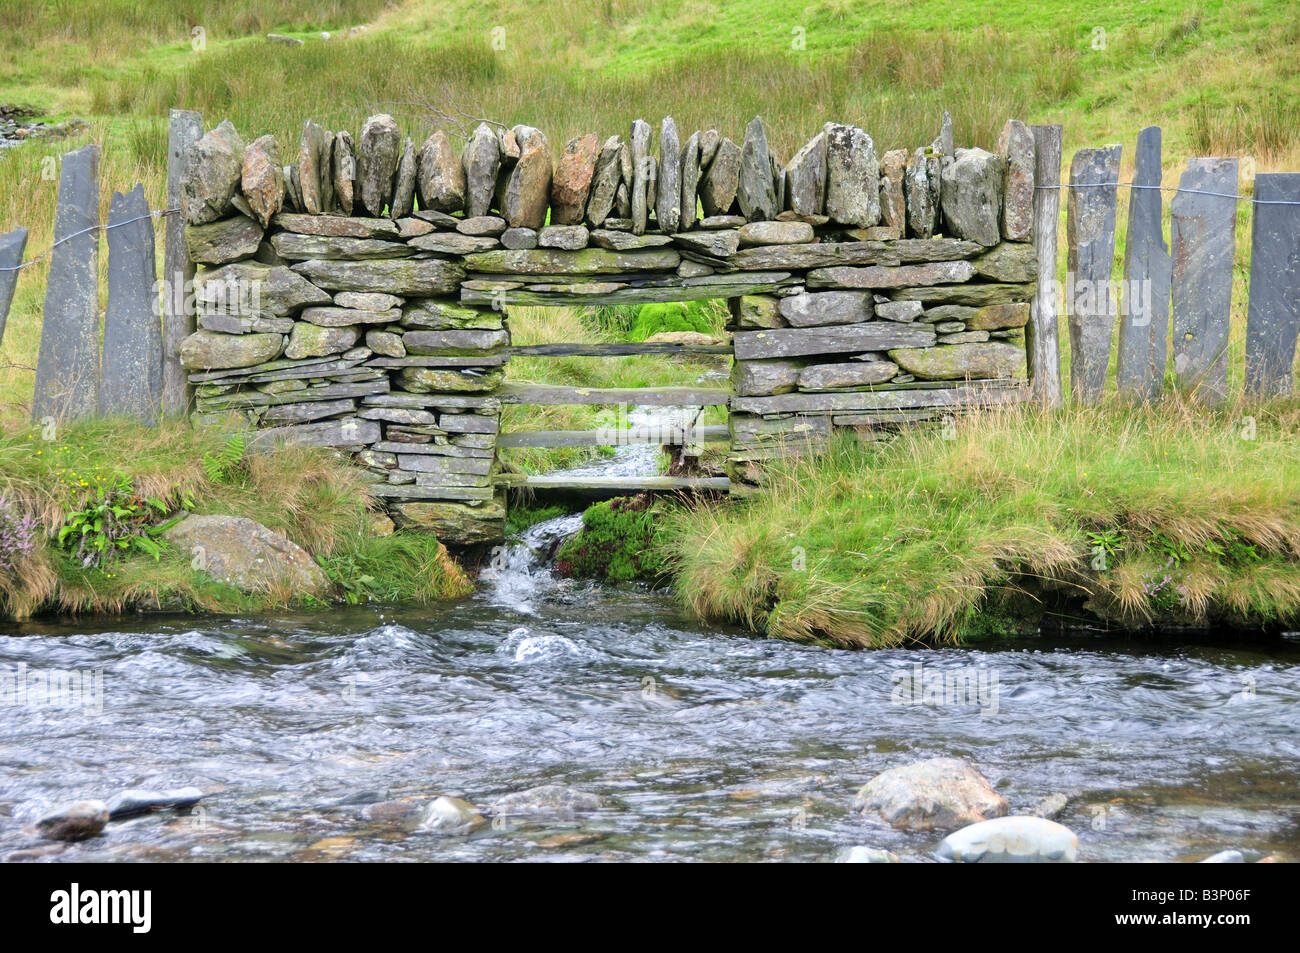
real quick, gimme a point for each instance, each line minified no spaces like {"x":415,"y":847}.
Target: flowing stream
{"x":705,"y":743}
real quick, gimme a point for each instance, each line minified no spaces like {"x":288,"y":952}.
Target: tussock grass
{"x":307,"y":494}
{"x":1136,"y":515}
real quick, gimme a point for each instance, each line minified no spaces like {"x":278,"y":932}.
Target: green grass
{"x":1131,"y":515}
{"x":308,"y":495}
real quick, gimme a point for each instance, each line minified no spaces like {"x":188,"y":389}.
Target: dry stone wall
{"x":356,"y":295}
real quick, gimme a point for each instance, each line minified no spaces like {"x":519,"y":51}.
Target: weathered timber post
{"x":186,"y":129}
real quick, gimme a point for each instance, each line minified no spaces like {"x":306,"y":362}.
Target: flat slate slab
{"x":1090,"y":227}
{"x":1144,"y":324}
{"x":67,"y":368}
{"x":1204,"y":238}
{"x":131,"y":382}
{"x":836,"y":339}
{"x":12,"y":245}
{"x":1273,"y":316}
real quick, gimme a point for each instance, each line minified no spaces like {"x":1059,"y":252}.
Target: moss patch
{"x":616,"y":543}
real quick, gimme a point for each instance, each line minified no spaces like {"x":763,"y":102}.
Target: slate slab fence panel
{"x":1273,"y":315}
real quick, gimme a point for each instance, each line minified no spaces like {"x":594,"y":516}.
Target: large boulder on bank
{"x":1011,"y":840}
{"x":939,"y":794}
{"x":212,"y":173}
{"x":245,"y":554}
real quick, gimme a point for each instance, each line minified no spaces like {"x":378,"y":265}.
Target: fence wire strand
{"x":85,"y":231}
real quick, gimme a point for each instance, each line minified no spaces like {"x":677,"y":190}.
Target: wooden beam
{"x":613,"y":437}
{"x":636,"y":396}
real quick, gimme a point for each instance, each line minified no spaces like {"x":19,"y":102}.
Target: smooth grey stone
{"x":668,"y":196}
{"x":131,"y":380}
{"x":1204,"y":237}
{"x":1025,"y":840}
{"x":12,"y":245}
{"x":1090,"y":231}
{"x":138,"y":801}
{"x":825,"y":377}
{"x":67,"y":367}
{"x":482,"y":226}
{"x":1273,"y":315}
{"x":866,"y":855}
{"x":756,"y":191}
{"x":852,"y":176}
{"x":549,"y":800}
{"x":1144,"y":324}
{"x":1230,"y":856}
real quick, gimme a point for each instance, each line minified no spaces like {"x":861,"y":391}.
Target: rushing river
{"x":705,"y":743}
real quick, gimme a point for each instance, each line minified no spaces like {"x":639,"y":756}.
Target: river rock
{"x":343,"y":167}
{"x":1016,"y":149}
{"x":528,"y":189}
{"x":828,"y":377}
{"x":719,"y":184}
{"x":866,"y":855}
{"x":136,"y":801}
{"x":549,"y":800}
{"x":1225,"y":857}
{"x":480,"y":160}
{"x":262,"y":179}
{"x":939,"y":794}
{"x":74,"y":822}
{"x":315,"y":173}
{"x":403,"y":201}
{"x":756,"y":190}
{"x":212,"y":174}
{"x":852,"y":176}
{"x":569,"y":237}
{"x":313,"y":340}
{"x":826,"y":307}
{"x":245,"y":554}
{"x":805,"y":177}
{"x":991,"y":360}
{"x":1010,"y":840}
{"x":451,"y":815}
{"x":972,"y":196}
{"x":668,"y":193}
{"x":893,"y":206}
{"x":921,"y":194}
{"x":223,"y":241}
{"x":440,"y":176}
{"x":206,"y":350}
{"x":377,"y":157}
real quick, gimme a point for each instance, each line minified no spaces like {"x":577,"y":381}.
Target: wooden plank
{"x":614,"y":437}
{"x":1090,"y":230}
{"x":185,"y":129}
{"x":511,"y":393}
{"x":614,"y":350}
{"x":131,"y":383}
{"x":971,"y":394}
{"x":1273,"y":315}
{"x":1042,"y":335}
{"x":67,"y":366}
{"x":838,"y":339}
{"x":12,"y":245}
{"x":1144,"y":324}
{"x":1204,"y":237}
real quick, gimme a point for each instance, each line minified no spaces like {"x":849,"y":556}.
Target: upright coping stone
{"x":1144,"y":324}
{"x":131,"y":382}
{"x":67,"y":367}
{"x":1273,"y":316}
{"x":1090,"y":227}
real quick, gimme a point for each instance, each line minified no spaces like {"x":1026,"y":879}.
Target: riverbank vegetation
{"x":1130,"y":516}
{"x":82,"y":512}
